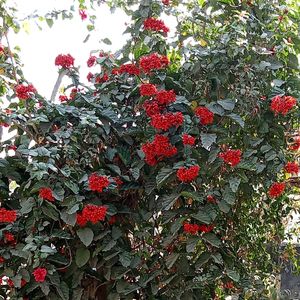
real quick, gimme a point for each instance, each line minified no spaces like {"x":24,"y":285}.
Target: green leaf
{"x":212,"y":239}
{"x":229,"y":196}
{"x":49,"y":22}
{"x":27,"y":205}
{"x":106,"y":41}
{"x":166,"y":202}
{"x":247,"y":165}
{"x":63,"y":291}
{"x":234,"y":275}
{"x":204,"y":258}
{"x":72,"y":186}
{"x":69,"y":219}
{"x":125,"y":259}
{"x":207,"y":139}
{"x":227,"y":104}
{"x":234,"y":183}
{"x":237,"y":119}
{"x":82,"y":256}
{"x":171,"y":259}
{"x":163,"y":175}
{"x":86,"y":235}
{"x":223,"y":206}
{"x":202,"y":217}
{"x":191,"y":244}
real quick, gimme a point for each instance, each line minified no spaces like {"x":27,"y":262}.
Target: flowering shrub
{"x":165,"y":176}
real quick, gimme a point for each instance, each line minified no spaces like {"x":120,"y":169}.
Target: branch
{"x":57,"y":84}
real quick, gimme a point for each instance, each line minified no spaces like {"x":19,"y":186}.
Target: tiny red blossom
{"x":7,"y":216}
{"x":159,"y":149}
{"x":188,"y":174}
{"x":188,"y":139}
{"x":211,"y":199}
{"x":166,"y":2}
{"x":81,"y":220}
{"x":276,"y":189}
{"x":147,"y":89}
{"x":24,"y":92}
{"x":65,"y":61}
{"x":166,"y":121}
{"x":103,"y":78}
{"x":295,"y":146}
{"x":131,"y":69}
{"x":112,"y":220}
{"x":152,"y":108}
{"x":40,"y":274}
{"x":90,"y":76}
{"x":82,"y":14}
{"x":91,"y":61}
{"x":12,"y":147}
{"x":63,"y":98}
{"x":155,"y":25}
{"x":206,"y":228}
{"x":98,"y":183}
{"x":3,"y":124}
{"x":46,"y":194}
{"x":2,"y":260}
{"x":292,"y":167}
{"x":73,"y":93}
{"x":152,"y":62}
{"x":118,"y":181}
{"x":231,"y":157}
{"x":94,"y":213}
{"x":190,"y":228}
{"x":165,"y":97}
{"x":1,"y":49}
{"x":282,"y":105}
{"x":228,"y":285}
{"x":9,"y":237}
{"x":205,"y":115}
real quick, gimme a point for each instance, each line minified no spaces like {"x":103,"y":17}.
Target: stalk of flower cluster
{"x":61,"y":75}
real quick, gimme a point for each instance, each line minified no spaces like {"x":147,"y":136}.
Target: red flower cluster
{"x":295,"y":146}
{"x":228,"y":285}
{"x":211,"y":199}
{"x":153,"y":61}
{"x":188,"y":139}
{"x":282,"y":105}
{"x":40,"y":274}
{"x":292,"y":167}
{"x":188,"y":174}
{"x":148,"y":89}
{"x":91,"y":213}
{"x":3,"y":124}
{"x":166,"y":2}
{"x":82,"y":14}
{"x":63,"y":98}
{"x":1,"y":49}
{"x":159,"y":149}
{"x":98,"y":183}
{"x":131,"y":69}
{"x":231,"y":157}
{"x":100,"y":79}
{"x":165,"y":97}
{"x":155,"y":25}
{"x":24,"y":92}
{"x":276,"y":189}
{"x":112,"y":220}
{"x":152,"y":108}
{"x":12,"y":147}
{"x":194,"y":228}
{"x":118,"y":181}
{"x":2,"y":260}
{"x":7,"y":216}
{"x":9,"y":237}
{"x":65,"y":61}
{"x":91,"y":61}
{"x":205,"y":115}
{"x":46,"y":194}
{"x":167,"y":120}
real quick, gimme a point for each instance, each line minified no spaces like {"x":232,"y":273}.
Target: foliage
{"x":230,"y":56}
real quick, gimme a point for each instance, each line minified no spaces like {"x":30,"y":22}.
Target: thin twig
{"x":11,"y":58}
{"x":57,"y":84}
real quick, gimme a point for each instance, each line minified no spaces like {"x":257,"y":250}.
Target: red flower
{"x":94,"y":213}
{"x":91,"y":61}
{"x":295,"y":146}
{"x":165,"y":97}
{"x":166,"y":121}
{"x":131,"y":69}
{"x":65,"y":61}
{"x":166,"y":2}
{"x":188,"y":174}
{"x":82,"y":14}
{"x":152,"y":108}
{"x":228,"y":285}
{"x":206,"y":228}
{"x":81,"y":220}
{"x":9,"y":237}
{"x":1,"y":49}
{"x":90,"y":76}
{"x":188,"y":139}
{"x":10,"y":282}
{"x":3,"y":124}
{"x":23,"y":282}
{"x":12,"y":147}
{"x":100,"y":79}
{"x":211,"y":199}
{"x":153,"y":61}
{"x":115,"y":71}
{"x":98,"y":183}
{"x":205,"y":115}
{"x":190,"y":228}
{"x":40,"y":274}
{"x":147,"y":89}
{"x":231,"y":157}
{"x":292,"y":167}
{"x":7,"y":216}
{"x":276,"y":189}
{"x":155,"y":25}
{"x":46,"y":194}
{"x":112,"y":220}
{"x":63,"y":98}
{"x":73,"y":93}
{"x":24,"y":92}
{"x":2,"y":260}
{"x":118,"y":181}
{"x":282,"y":105}
{"x":159,"y":149}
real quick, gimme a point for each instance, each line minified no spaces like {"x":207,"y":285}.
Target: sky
{"x":40,"y":47}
